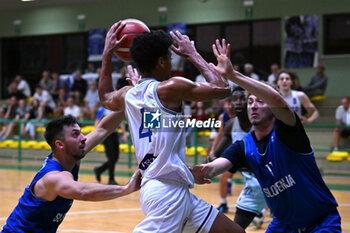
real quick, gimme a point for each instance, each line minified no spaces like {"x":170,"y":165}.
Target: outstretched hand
{"x":134,"y":76}
{"x":185,"y":47}
{"x":199,"y":172}
{"x":222,"y":54}
{"x":111,"y":42}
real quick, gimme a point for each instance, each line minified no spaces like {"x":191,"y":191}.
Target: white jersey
{"x":294,"y":102}
{"x":160,"y":151}
{"x":237,"y":133}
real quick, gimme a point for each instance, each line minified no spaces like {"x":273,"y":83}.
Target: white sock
{"x":223,"y":200}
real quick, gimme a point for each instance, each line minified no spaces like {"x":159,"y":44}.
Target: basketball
{"x":132,"y":28}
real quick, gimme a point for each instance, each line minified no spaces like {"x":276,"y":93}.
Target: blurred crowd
{"x":56,"y":95}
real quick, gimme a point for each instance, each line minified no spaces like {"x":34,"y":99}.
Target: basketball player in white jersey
{"x":160,"y":151}
{"x":296,"y":99}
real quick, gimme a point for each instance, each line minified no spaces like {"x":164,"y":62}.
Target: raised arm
{"x":103,"y":129}
{"x":186,"y":49}
{"x":109,"y":98}
{"x":177,"y":89}
{"x":277,"y":104}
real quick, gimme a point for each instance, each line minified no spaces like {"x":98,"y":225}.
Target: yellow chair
{"x":123,"y":148}
{"x":41,"y":145}
{"x":40,"y":129}
{"x":317,"y":98}
{"x":2,"y":145}
{"x":207,"y":133}
{"x":200,"y":133}
{"x":13,"y":144}
{"x":87,"y":129}
{"x":190,"y":151}
{"x":337,"y":156}
{"x":25,"y":145}
{"x":31,"y":143}
{"x":6,"y":143}
{"x":100,"y":148}
{"x":202,"y":151}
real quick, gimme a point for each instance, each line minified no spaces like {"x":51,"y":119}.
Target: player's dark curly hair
{"x":147,"y":47}
{"x":54,"y":129}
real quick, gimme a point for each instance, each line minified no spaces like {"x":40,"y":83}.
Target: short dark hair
{"x":147,"y":47}
{"x":238,"y":88}
{"x":54,"y":129}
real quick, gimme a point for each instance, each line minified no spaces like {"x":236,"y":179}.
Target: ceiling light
{"x":28,"y":0}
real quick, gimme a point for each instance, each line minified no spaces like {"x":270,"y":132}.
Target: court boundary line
{"x":95,"y":212}
{"x":87,"y":231}
{"x":103,"y":211}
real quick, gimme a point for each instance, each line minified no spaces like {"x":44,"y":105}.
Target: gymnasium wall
{"x":63,"y":19}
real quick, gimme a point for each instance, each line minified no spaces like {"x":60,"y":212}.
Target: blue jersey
{"x":291,"y":182}
{"x":33,"y":215}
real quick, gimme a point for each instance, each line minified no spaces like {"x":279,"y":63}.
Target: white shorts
{"x":170,"y":207}
{"x":251,"y":197}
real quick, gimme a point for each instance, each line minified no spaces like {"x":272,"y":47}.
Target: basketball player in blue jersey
{"x":49,"y":196}
{"x":251,"y":200}
{"x":279,"y":153}
{"x":165,"y":198}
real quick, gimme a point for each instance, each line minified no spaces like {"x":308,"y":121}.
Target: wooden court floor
{"x":122,"y":215}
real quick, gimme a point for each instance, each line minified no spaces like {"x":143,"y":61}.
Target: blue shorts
{"x":329,"y":224}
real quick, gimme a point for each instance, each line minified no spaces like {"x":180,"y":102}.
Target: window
{"x":336,"y":34}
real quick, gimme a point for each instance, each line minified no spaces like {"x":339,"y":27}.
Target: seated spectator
{"x":72,"y":109}
{"x":79,"y":88}
{"x":61,"y":102}
{"x":342,"y":117}
{"x":92,"y":101}
{"x":12,"y":90}
{"x":9,"y":115}
{"x":47,"y":104}
{"x":22,"y":113}
{"x":248,"y":71}
{"x":46,"y":82}
{"x":33,"y":115}
{"x":4,"y":107}
{"x":23,"y":86}
{"x":57,"y":84}
{"x":274,"y":72}
{"x":318,"y":82}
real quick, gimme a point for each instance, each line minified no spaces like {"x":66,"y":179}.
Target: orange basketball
{"x":132,"y":28}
